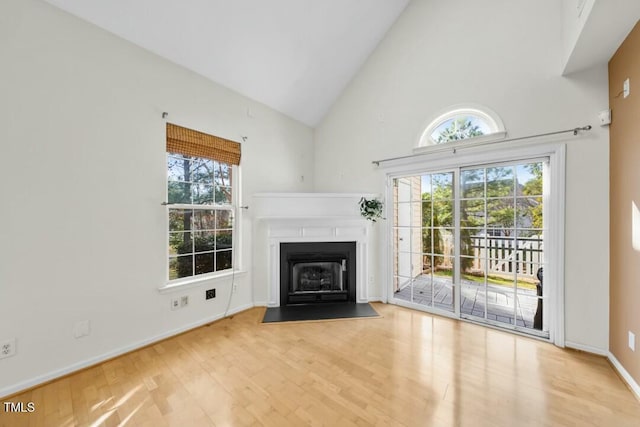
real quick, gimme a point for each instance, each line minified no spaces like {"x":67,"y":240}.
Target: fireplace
{"x":317,"y":272}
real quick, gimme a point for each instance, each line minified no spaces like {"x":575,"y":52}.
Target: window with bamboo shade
{"x":200,"y":168}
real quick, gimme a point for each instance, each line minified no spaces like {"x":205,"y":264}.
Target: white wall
{"x":506,"y":55}
{"x":82,"y":230}
{"x":573,"y":22}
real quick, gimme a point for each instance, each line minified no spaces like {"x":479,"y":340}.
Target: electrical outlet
{"x":7,"y":348}
{"x":184,"y":301}
{"x":632,"y":341}
{"x":234,"y":289}
{"x":81,"y":329}
{"x":626,"y":88}
{"x":210,"y":293}
{"x":175,"y":303}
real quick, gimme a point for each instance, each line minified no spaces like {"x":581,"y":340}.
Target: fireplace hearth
{"x":317,"y":272}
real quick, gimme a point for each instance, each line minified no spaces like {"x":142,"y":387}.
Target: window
{"x":462,"y":123}
{"x":200,"y":196}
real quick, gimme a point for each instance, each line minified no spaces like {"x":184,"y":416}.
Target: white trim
{"x":35,"y":381}
{"x":495,"y":153}
{"x":633,"y":385}
{"x":195,"y":281}
{"x":586,"y":348}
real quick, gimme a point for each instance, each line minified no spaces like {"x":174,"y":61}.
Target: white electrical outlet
{"x":632,"y":341}
{"x":7,"y":348}
{"x":175,"y":303}
{"x":626,"y":88}
{"x":184,"y":301}
{"x":81,"y":329}
{"x":235,"y":288}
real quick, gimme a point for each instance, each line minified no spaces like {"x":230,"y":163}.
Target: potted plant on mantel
{"x":371,"y":209}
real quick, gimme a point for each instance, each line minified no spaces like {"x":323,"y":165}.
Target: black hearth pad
{"x":293,"y":313}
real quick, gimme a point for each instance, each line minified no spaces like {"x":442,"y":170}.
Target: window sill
{"x":198,"y":281}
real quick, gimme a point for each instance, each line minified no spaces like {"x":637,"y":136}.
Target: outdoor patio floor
{"x":499,"y":299}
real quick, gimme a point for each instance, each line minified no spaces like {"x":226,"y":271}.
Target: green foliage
{"x":371,"y":209}
{"x":460,"y":128}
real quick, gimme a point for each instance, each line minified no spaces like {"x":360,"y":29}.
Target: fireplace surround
{"x":317,"y":272}
{"x":309,"y":218}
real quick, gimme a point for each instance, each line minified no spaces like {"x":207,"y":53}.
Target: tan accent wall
{"x":624,"y":277}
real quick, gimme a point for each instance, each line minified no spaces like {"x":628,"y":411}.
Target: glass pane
{"x":443,"y":214}
{"x":426,"y":214}
{"x":443,"y":239}
{"x":179,"y":192}
{"x":529,"y":178}
{"x":181,"y":266}
{"x":204,"y":263}
{"x":500,"y":182}
{"x":528,"y":277}
{"x":403,"y":239}
{"x":529,"y":314}
{"x":458,"y":128}
{"x":529,"y":212}
{"x":443,"y":266}
{"x":531,"y":245}
{"x":178,"y":168}
{"x":425,"y":187}
{"x":223,"y":219}
{"x":222,"y":174}
{"x":500,"y":304}
{"x":472,"y":242}
{"x":223,"y":195}
{"x":403,"y":288}
{"x":421,"y":290}
{"x":224,"y":240}
{"x":472,"y":287}
{"x":204,"y":241}
{"x":204,"y":219}
{"x":202,"y":171}
{"x":472,"y":183}
{"x":472,"y":213}
{"x":500,"y":214}
{"x":223,"y":260}
{"x":442,"y":186}
{"x":180,"y":219}
{"x":427,"y":240}
{"x":180,"y":243}
{"x":202,"y":194}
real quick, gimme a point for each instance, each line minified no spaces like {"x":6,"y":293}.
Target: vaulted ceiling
{"x":295,"y":56}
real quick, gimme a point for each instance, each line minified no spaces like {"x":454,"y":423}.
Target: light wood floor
{"x":404,"y":369}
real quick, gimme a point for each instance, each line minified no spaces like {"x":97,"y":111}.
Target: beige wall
{"x":625,"y":190}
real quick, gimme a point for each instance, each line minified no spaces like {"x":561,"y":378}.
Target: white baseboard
{"x":32,"y":382}
{"x":375,"y":299}
{"x":633,"y":385}
{"x":587,"y":348}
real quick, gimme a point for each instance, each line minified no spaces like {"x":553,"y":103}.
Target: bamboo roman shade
{"x":190,"y":142}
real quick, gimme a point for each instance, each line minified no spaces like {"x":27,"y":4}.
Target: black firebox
{"x":317,"y":272}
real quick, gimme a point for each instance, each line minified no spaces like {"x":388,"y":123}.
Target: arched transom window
{"x":462,"y":123}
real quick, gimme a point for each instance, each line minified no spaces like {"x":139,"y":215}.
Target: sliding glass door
{"x":469,"y":242}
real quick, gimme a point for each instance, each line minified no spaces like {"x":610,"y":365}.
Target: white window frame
{"x":236,"y":214}
{"x":554,"y":202}
{"x":426,"y":143}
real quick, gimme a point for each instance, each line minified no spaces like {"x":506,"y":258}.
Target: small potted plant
{"x":371,"y":209}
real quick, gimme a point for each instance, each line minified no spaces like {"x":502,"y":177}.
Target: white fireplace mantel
{"x":307,"y":217}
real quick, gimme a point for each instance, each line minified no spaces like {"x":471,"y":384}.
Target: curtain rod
{"x":445,"y":148}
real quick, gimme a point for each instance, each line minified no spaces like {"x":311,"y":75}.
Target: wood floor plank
{"x":405,"y":368}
